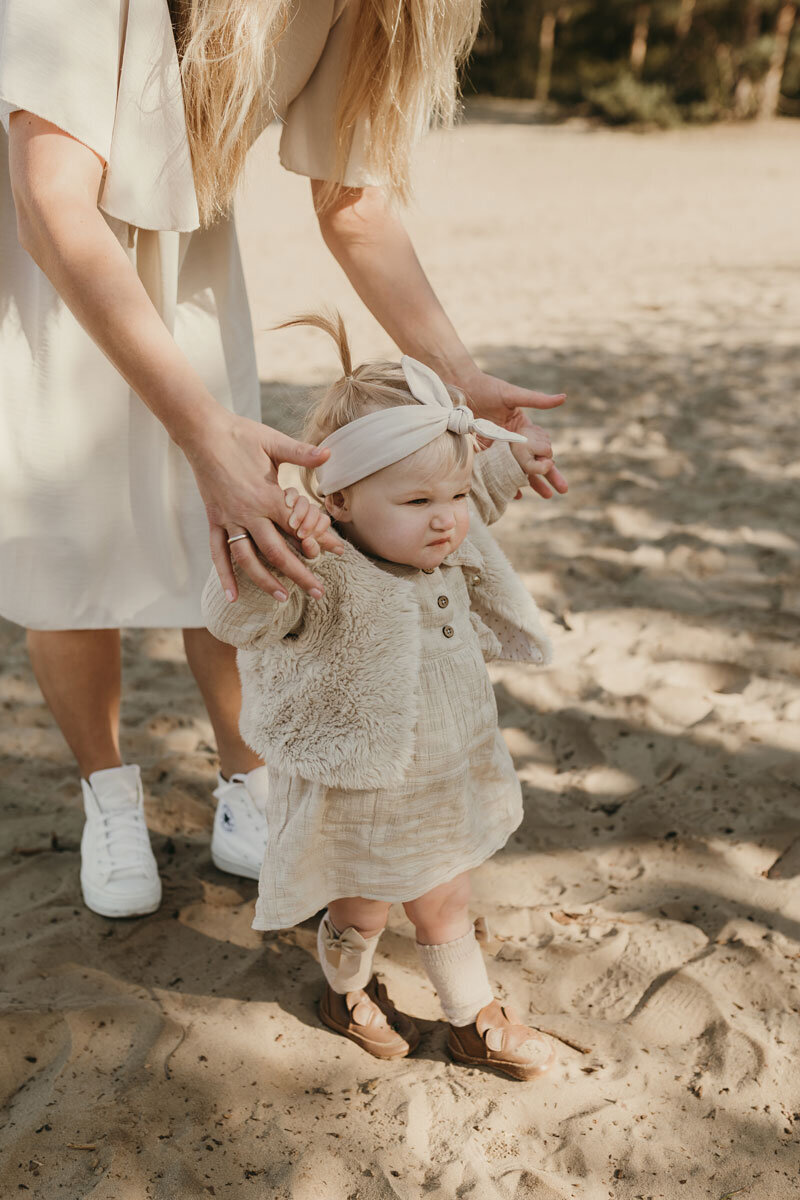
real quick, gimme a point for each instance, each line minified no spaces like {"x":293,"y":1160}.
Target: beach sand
{"x":648,"y":909}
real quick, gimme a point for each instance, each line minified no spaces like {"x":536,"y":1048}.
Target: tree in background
{"x":659,"y":61}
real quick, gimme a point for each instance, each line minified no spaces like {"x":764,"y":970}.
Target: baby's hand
{"x":306,"y":520}
{"x":535,"y":457}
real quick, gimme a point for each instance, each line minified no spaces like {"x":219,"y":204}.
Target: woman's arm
{"x":56,"y":182}
{"x":372,"y":246}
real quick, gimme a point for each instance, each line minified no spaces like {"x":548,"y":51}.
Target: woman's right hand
{"x":235,"y":462}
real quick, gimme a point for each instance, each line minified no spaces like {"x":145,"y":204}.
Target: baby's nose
{"x":444,"y":520}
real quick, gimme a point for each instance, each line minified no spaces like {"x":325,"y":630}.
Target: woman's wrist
{"x":196,"y":424}
{"x":460,"y":370}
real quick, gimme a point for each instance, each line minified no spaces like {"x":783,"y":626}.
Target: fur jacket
{"x":329,"y":686}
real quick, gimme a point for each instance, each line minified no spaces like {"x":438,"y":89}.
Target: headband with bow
{"x":381,"y":438}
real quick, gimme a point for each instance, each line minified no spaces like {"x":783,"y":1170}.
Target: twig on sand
{"x":728,"y":1195}
{"x":177,"y":1046}
{"x":572,"y":1045}
{"x":81,"y":1145}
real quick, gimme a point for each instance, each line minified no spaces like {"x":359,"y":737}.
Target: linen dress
{"x":458,"y":804}
{"x":101,"y":524}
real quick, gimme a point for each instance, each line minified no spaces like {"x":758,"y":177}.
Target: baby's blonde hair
{"x":364,"y":389}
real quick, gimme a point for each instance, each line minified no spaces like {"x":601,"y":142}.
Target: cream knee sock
{"x":346,"y":958}
{"x":458,"y":972}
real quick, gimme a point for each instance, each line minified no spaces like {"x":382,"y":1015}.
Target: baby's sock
{"x":458,"y":972}
{"x":346,"y":958}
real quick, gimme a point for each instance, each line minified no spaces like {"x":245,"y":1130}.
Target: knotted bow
{"x":381,"y":438}
{"x":350,"y":942}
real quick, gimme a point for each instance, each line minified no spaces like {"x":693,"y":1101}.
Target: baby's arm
{"x":256,"y":616}
{"x":497,"y":477}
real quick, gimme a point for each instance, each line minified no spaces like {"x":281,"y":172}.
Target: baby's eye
{"x":460,"y":495}
{"x":419,"y":500}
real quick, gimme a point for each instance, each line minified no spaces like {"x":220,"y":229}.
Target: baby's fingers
{"x":532,"y":464}
{"x":299,"y":513}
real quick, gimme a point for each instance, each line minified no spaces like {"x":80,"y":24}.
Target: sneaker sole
{"x":98,"y":903}
{"x":231,"y":867}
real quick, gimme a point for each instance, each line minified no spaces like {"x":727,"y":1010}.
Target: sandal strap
{"x":365,"y":1009}
{"x":501,"y":1028}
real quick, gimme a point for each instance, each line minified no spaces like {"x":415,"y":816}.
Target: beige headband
{"x":381,"y":438}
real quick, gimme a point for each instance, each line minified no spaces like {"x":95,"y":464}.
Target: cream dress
{"x":101,"y":524}
{"x":457,"y":806}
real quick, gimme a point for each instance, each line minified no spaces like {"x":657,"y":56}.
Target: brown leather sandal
{"x":368,"y":1018}
{"x":498,"y":1039}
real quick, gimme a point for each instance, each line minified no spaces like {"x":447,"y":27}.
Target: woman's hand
{"x":505,"y":404}
{"x":235,"y":462}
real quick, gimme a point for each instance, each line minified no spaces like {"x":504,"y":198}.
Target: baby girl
{"x":373,"y":708}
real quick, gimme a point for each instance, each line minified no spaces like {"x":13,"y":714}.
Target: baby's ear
{"x":337,"y":505}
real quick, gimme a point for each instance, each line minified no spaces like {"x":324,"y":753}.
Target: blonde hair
{"x":364,"y":389}
{"x":401,"y":74}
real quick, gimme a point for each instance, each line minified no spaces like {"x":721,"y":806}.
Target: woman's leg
{"x":79,"y":674}
{"x":240,"y":833}
{"x":213,"y":664}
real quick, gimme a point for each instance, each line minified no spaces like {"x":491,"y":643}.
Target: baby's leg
{"x":347,"y":939}
{"x":367,"y":916}
{"x":483,"y":1032}
{"x":449,"y":951}
{"x":355,"y":1003}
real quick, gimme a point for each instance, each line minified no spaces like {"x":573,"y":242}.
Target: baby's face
{"x":406,"y":513}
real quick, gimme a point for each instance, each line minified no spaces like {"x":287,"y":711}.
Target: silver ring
{"x":238,"y":537}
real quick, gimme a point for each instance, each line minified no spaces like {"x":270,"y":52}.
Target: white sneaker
{"x":240,"y":823}
{"x":119,"y":876}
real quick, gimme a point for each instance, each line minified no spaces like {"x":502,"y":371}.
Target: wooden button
{"x":448,"y":630}
{"x":443,"y":602}
{"x":428,"y":570}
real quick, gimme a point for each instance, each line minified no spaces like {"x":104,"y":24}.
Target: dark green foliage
{"x":628,"y":60}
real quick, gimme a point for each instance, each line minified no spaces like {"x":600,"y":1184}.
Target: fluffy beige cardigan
{"x":329,"y":686}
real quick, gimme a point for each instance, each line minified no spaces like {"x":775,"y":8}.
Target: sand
{"x":648,"y":910}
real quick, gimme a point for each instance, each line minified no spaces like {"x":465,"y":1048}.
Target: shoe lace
{"x":125,"y":841}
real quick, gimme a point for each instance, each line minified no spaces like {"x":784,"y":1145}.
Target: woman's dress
{"x":101,"y":523}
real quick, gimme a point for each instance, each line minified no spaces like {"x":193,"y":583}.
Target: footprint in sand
{"x":707,"y":676}
{"x":681,"y":706}
{"x":625,"y":676}
{"x":674,"y":1011}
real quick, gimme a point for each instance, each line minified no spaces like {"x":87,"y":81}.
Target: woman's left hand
{"x":505,"y":404}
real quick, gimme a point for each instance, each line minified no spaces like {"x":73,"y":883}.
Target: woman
{"x":129,"y":385}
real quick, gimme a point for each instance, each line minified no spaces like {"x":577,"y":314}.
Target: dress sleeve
{"x":106,"y":72}
{"x":255,"y":618}
{"x":61,"y":61}
{"x":308,"y":144}
{"x":496,"y":479}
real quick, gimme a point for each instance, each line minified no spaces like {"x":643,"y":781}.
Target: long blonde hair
{"x":361,"y":390}
{"x":401,"y":74}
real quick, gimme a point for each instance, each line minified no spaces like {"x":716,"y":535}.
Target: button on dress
{"x":458,"y":804}
{"x":101,"y":523}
